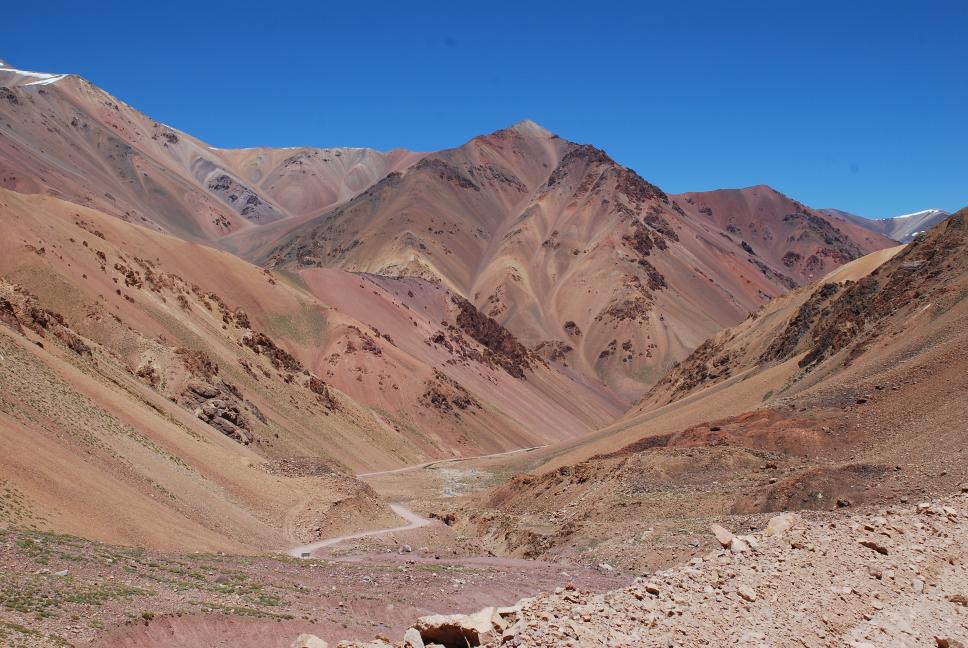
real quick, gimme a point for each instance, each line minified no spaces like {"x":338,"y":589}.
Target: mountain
{"x":900,"y":228}
{"x":582,"y":260}
{"x":516,"y":291}
{"x":140,"y":359}
{"x":846,"y":392}
{"x":579,"y":257}
{"x":62,"y":135}
{"x":217,"y":363}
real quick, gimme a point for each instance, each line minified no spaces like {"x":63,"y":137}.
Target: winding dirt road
{"x":451,"y":460}
{"x":414,"y":521}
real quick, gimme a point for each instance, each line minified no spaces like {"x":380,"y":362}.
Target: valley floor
{"x":61,"y":590}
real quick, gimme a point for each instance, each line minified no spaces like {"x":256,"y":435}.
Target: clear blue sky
{"x":851,"y":104}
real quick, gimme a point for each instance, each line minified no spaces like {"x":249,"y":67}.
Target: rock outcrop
{"x":220,"y":406}
{"x":890,"y":577}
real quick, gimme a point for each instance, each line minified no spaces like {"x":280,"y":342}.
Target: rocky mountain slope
{"x":889,"y":577}
{"x":163,"y":379}
{"x":849,"y":391}
{"x":582,"y":259}
{"x":900,"y":228}
{"x":586,"y":263}
{"x":63,"y":136}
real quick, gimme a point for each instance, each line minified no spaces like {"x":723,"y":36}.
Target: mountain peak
{"x":27,"y":77}
{"x":530,"y":128}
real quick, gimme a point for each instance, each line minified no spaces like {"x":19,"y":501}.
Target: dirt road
{"x":443,"y":461}
{"x":414,"y":521}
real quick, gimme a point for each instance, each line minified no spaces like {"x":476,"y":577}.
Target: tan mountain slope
{"x":579,"y":257}
{"x":599,"y":271}
{"x":848,"y":392}
{"x":163,"y":338}
{"x":62,"y":135}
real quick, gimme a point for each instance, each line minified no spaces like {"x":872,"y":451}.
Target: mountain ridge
{"x":901,"y":228}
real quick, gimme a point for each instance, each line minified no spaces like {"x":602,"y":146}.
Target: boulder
{"x":459,"y":630}
{"x":943,"y":641}
{"x":202,"y":389}
{"x":412,"y":639}
{"x":876,"y":546}
{"x":746,"y":592}
{"x":738,"y":545}
{"x":308,"y":641}
{"x":723,"y":535}
{"x":780,"y":524}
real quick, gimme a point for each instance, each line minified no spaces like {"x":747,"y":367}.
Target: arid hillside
{"x":848,"y":392}
{"x":582,"y":259}
{"x":152,"y":384}
{"x":61,"y":135}
{"x":596,"y":270}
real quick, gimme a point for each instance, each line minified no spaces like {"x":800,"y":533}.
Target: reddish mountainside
{"x":582,"y":259}
{"x":585,"y":262}
{"x":803,"y":243}
{"x":64,"y":136}
{"x":849,"y":391}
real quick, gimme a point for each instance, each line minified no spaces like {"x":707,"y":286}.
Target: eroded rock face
{"x":220,"y":406}
{"x":447,"y":396}
{"x":8,"y":316}
{"x":264,"y":345}
{"x":22,"y":311}
{"x":505,"y":350}
{"x":321,"y":389}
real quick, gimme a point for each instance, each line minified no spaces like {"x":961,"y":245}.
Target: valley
{"x":285,"y":397}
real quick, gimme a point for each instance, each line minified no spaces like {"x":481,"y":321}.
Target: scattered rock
{"x":459,"y":630}
{"x":724,"y":536}
{"x":872,"y":544}
{"x":780,"y":524}
{"x":746,"y":592}
{"x":412,"y":639}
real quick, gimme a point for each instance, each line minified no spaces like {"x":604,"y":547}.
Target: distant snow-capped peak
{"x":43,"y":78}
{"x":923,"y":212}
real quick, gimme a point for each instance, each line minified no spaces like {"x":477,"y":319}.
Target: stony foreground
{"x":892,"y":577}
